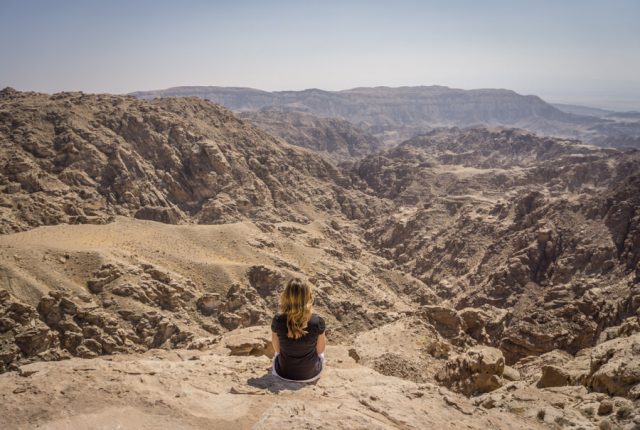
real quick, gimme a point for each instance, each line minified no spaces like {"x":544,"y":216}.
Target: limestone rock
{"x":510,"y":374}
{"x":553,"y":376}
{"x":34,"y":340}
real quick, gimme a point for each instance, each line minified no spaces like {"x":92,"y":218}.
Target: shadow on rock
{"x":274,"y":384}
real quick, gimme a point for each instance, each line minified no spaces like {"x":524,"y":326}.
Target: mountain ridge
{"x":394,"y":114}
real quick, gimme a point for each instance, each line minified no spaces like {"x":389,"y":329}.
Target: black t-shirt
{"x":298,"y":358}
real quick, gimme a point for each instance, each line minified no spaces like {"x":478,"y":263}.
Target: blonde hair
{"x":296,"y":302}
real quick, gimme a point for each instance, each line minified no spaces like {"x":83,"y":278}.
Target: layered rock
{"x":615,"y":368}
{"x":60,"y":328}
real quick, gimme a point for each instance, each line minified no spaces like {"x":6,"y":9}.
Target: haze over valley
{"x":397,"y":114}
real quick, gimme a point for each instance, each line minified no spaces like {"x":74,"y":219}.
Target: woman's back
{"x":298,"y":358}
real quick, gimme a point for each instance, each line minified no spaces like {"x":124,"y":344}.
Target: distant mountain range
{"x":396,"y":114}
{"x":593,"y":111}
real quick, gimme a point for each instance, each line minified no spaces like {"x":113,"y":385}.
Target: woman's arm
{"x":275,"y":342}
{"x":321,"y":344}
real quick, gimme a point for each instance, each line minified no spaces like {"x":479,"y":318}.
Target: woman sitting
{"x":298,"y":335}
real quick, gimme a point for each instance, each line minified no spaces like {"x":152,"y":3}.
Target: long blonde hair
{"x":296,"y":302}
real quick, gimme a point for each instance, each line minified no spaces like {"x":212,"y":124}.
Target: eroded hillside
{"x":75,"y":158}
{"x":340,"y":140}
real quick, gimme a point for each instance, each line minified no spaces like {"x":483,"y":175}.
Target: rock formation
{"x":489,"y":277}
{"x":76,"y":158}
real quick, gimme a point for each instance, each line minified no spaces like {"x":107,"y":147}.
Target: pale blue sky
{"x":580,"y":51}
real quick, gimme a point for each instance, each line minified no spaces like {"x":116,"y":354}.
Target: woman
{"x":298,"y":335}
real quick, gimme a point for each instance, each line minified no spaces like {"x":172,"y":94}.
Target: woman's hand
{"x":275,"y":342}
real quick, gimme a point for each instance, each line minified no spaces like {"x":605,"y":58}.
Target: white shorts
{"x":273,"y":370}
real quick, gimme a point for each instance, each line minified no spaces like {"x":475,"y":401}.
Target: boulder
{"x":265,"y":280}
{"x":230,"y":320}
{"x":209,"y":303}
{"x":478,"y":370}
{"x":483,"y":323}
{"x":553,"y":376}
{"x":165,"y":329}
{"x":107,"y":273}
{"x":605,"y":407}
{"x":8,"y":353}
{"x":249,"y":341}
{"x":564,"y":370}
{"x":166,"y":215}
{"x":615,"y":367}
{"x":36,"y":339}
{"x":49,"y":310}
{"x":445,"y":320}
{"x":511,"y":374}
{"x":20,"y":312}
{"x":6,"y":324}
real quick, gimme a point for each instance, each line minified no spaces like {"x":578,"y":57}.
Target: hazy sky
{"x":579,"y":51}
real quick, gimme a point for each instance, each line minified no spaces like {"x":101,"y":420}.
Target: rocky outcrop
{"x":610,"y":367}
{"x":78,"y":158}
{"x":265,"y":280}
{"x":553,"y":260}
{"x":249,"y":341}
{"x":22,"y":335}
{"x":495,"y":262}
{"x":484,"y":324}
{"x":478,"y":370}
{"x":188,"y":388}
{"x":144,"y":283}
{"x":615,"y":368}
{"x":445,"y":320}
{"x":59,"y":328}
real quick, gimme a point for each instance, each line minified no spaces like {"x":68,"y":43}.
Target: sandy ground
{"x":212,"y":255}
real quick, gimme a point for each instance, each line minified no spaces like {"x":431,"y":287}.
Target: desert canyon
{"x":477,"y":268}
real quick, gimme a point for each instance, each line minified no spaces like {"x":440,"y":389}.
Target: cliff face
{"x":488,"y":272}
